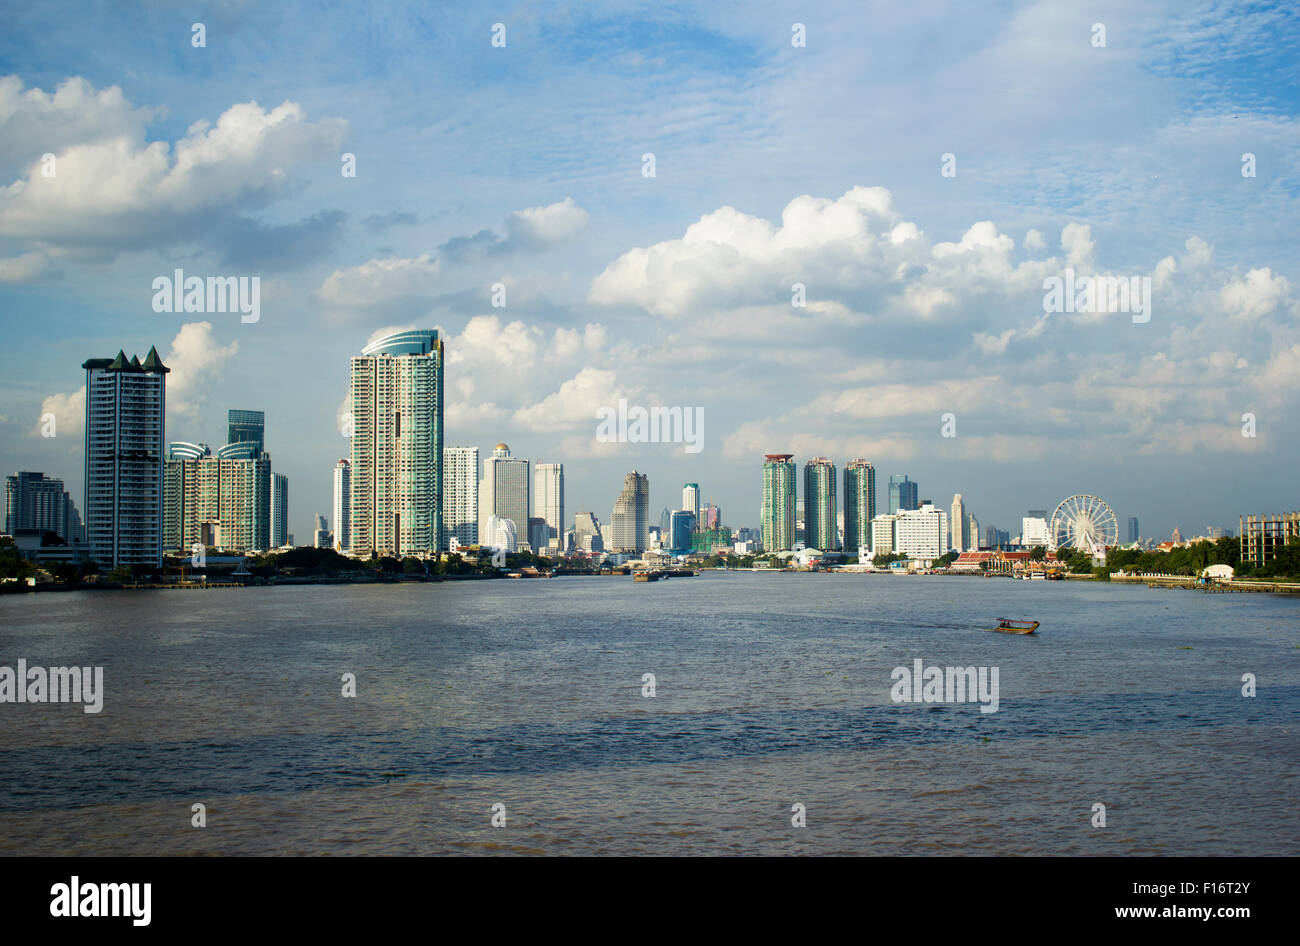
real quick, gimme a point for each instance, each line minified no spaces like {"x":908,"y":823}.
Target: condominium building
{"x":40,"y":503}
{"x":548,"y":503}
{"x":125,"y":416}
{"x":397,"y":406}
{"x":216,"y":501}
{"x":859,"y":502}
{"x":343,"y":505}
{"x":779,"y":502}
{"x":279,"y":510}
{"x":972,"y":534}
{"x":630,"y":522}
{"x":460,"y":495}
{"x":820,"y":507}
{"x":504,"y":491}
{"x":921,"y":533}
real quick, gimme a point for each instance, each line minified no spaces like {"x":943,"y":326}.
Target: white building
{"x":396,"y":464}
{"x":460,"y":495}
{"x":125,"y":407}
{"x":503,"y":492}
{"x":691,"y":499}
{"x":1033,"y":531}
{"x":960,"y":524}
{"x":548,"y":501}
{"x":499,"y":533}
{"x":342,"y":505}
{"x":921,"y":533}
{"x":882,"y":534}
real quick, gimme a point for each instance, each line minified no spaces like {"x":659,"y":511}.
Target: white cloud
{"x":197,"y":361}
{"x":544,"y":226}
{"x":24,"y":268}
{"x":380,"y":282}
{"x":1258,"y":295}
{"x":69,"y":412}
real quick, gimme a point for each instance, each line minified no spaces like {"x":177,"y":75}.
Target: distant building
{"x":322,"y":538}
{"x":460,"y":495}
{"x":779,"y":502}
{"x":586,"y":532}
{"x":500,"y":533}
{"x":691,"y":499}
{"x":343,"y":505}
{"x":972,"y":534}
{"x":902,"y":493}
{"x":859,"y":502}
{"x":1177,"y":537}
{"x":959,"y":523}
{"x":548,"y":503}
{"x":710,"y":517}
{"x":1132,"y":529}
{"x":629,"y":524}
{"x":125,"y":411}
{"x":40,"y":503}
{"x":247,"y":427}
{"x":280,"y":511}
{"x":921,"y":533}
{"x":504,"y":491}
{"x":1034,"y":531}
{"x":821,"y":507}
{"x":682,"y":526}
{"x":1261,"y":537}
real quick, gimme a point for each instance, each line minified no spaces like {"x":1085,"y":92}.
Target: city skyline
{"x":924,"y":292}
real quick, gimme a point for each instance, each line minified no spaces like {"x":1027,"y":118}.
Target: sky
{"x":921,"y":170}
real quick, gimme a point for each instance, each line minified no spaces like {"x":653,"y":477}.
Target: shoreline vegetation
{"x":1179,"y":567}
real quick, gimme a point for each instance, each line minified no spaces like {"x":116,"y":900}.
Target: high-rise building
{"x":682,"y":527}
{"x":710,"y":517}
{"x":322,"y":538}
{"x":691,"y":499}
{"x":820,"y":505}
{"x":921,"y":533}
{"x":125,"y":416}
{"x":665,"y":522}
{"x":499,"y":534}
{"x":972,"y":534}
{"x":246,"y":427}
{"x":503,"y":491}
{"x":216,"y":501}
{"x":36,"y":501}
{"x":1034,"y":531}
{"x":586,"y":532}
{"x":548,"y":502}
{"x":397,"y":407}
{"x":537,"y":539}
{"x":959,"y":524}
{"x":859,"y":503}
{"x":343,"y":505}
{"x":279,"y":510}
{"x":1132,"y":529}
{"x":779,"y":502}
{"x":902,"y":493}
{"x":630,"y":522}
{"x":460,"y":495}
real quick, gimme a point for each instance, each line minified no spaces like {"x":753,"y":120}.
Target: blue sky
{"x":774,"y":164}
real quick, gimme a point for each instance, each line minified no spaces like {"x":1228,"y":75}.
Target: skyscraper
{"x":960,"y":524}
{"x":779,"y":501}
{"x":343,"y":505}
{"x":683,"y":525}
{"x":36,"y":501}
{"x":820,"y":507}
{"x":460,"y":495}
{"x":279,"y":510}
{"x":691,"y":499}
{"x":972,"y":533}
{"x":630,"y":522}
{"x":125,"y":416}
{"x":397,"y":405}
{"x":216,"y":500}
{"x":246,"y":427}
{"x":1132,"y":529}
{"x":548,"y":501}
{"x":859,"y":503}
{"x":587,"y":533}
{"x":503,"y":491}
{"x":902,"y":493}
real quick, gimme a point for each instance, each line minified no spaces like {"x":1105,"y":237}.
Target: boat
{"x":648,"y":576}
{"x":1009,"y":626}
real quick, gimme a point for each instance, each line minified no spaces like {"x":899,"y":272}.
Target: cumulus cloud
{"x":69,"y":411}
{"x":24,"y":268}
{"x":197,"y":362}
{"x":114,"y":190}
{"x":1257,"y":295}
{"x":380,"y":282}
{"x":544,"y":226}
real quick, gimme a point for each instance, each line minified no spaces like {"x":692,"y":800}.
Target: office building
{"x":629,"y":524}
{"x":972,"y":534}
{"x":586,"y":532}
{"x":322,"y":537}
{"x":779,"y":502}
{"x":821,"y":515}
{"x":1132,"y":529}
{"x":125,"y":416}
{"x":959,"y":524}
{"x":396,"y":461}
{"x":682,"y":527}
{"x":460,"y":495}
{"x":548,"y":503}
{"x":504,"y":491}
{"x":691,"y":499}
{"x":343,"y":505}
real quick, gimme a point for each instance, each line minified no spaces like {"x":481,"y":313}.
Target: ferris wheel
{"x":1085,"y":523}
